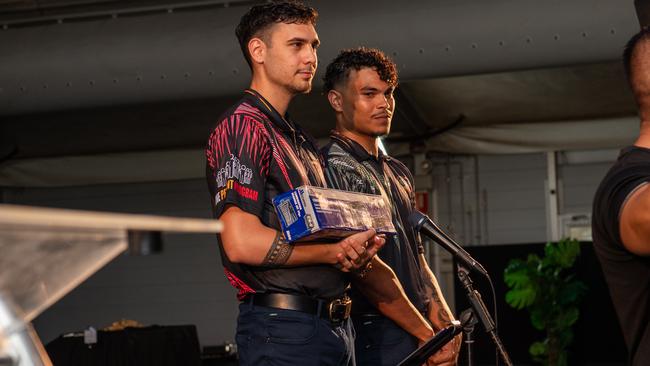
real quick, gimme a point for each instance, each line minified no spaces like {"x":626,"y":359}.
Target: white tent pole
{"x":552,"y":220}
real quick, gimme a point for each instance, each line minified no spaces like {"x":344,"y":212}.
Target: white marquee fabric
{"x":518,"y":138}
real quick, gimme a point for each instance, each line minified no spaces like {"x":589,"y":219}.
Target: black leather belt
{"x":335,"y":311}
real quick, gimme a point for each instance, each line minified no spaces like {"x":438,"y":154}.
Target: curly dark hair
{"x":261,"y":17}
{"x":338,"y":71}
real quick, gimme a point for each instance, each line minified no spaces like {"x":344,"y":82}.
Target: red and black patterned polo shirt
{"x":253,"y":154}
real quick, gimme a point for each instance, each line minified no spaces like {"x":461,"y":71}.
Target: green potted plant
{"x":547,"y":288}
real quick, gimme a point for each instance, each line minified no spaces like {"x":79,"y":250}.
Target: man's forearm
{"x":440,"y":314}
{"x":382,"y":288}
{"x":349,"y":255}
{"x":246,"y":240}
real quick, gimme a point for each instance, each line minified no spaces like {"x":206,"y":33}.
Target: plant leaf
{"x":539,"y":319}
{"x":517,"y":278}
{"x":571,"y":292}
{"x":551,"y":293}
{"x":520,"y":298}
{"x":537,"y":349}
{"x":566,"y":337}
{"x":568,"y":317}
{"x":563,"y":253}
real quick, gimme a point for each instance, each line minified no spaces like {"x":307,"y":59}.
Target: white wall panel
{"x":579,"y":184}
{"x":511,"y":207}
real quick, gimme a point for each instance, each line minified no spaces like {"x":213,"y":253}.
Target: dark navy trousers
{"x":269,"y":336}
{"x":381,"y":342}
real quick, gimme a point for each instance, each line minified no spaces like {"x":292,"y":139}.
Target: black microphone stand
{"x":481,"y":312}
{"x":468,"y":320}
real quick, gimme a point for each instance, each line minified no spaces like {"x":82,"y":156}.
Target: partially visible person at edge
{"x":293,"y":304}
{"x":359,"y":84}
{"x":621,"y":215}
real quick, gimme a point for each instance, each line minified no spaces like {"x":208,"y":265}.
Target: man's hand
{"x":358,"y":249}
{"x":447,"y":355}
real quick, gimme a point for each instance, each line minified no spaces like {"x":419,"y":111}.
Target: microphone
{"x":424,"y":225}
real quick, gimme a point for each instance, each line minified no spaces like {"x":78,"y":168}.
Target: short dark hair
{"x":628,"y":52}
{"x":260,"y":17}
{"x":338,"y":71}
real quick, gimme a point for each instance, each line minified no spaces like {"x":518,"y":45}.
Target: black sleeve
{"x":238,"y":157}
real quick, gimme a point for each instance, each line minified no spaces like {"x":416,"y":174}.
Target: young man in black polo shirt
{"x":621,"y":216}
{"x":290,"y":293}
{"x":359,"y":84}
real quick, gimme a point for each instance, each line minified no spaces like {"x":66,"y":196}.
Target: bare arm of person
{"x":634,"y":221}
{"x":246,"y":240}
{"x":440,"y":317}
{"x":382,"y":288}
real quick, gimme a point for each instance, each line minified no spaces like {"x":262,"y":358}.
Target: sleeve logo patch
{"x":234,"y":169}
{"x":242,"y":191}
